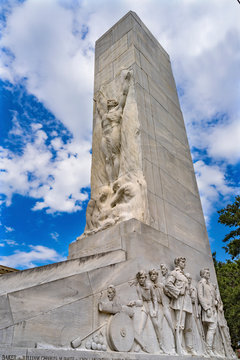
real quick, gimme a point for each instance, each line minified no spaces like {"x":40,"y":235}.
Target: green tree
{"x":228,"y":275}
{"x":230,"y":216}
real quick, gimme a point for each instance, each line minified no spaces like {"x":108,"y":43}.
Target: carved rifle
{"x":177,"y":334}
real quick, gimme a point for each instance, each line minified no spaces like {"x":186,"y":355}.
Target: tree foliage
{"x":230,"y":216}
{"x":228,"y":275}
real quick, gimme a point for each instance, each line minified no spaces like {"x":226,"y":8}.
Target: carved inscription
{"x":37,"y":357}
{"x":44,"y":357}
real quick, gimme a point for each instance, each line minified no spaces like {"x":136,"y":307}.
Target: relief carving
{"x":166,"y":297}
{"x":224,"y":330}
{"x":195,"y":316}
{"x":181,"y":303}
{"x":111,"y":117}
{"x":128,"y":192}
{"x":147,"y":300}
{"x":121,"y":335}
{"x":121,"y":202}
{"x":96,"y":343}
{"x":192,"y":290}
{"x":207,"y":296}
{"x":119,"y":190}
{"x":158,"y":319}
{"x":99,"y":211}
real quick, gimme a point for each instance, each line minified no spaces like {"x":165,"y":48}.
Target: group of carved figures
{"x":115,"y":203}
{"x":176,"y":300}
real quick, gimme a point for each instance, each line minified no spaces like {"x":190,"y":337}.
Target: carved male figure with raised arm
{"x":111,"y":119}
{"x":207,"y":297}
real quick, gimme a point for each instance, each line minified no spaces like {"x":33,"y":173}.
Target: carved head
{"x":111,"y":292}
{"x":153,"y":274}
{"x":111,"y":103}
{"x":188,"y":276}
{"x":180,"y":261}
{"x":104,"y":193}
{"x":164,"y":269}
{"x":141,"y":277}
{"x":205,"y":273}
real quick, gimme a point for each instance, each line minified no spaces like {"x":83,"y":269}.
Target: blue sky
{"x":46,"y":84}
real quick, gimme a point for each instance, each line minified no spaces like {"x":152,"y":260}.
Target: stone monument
{"x":136,"y":283}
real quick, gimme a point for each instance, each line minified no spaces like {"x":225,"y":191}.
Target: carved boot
{"x":190,"y":350}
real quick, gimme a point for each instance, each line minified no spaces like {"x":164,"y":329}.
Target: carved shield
{"x":120,"y":332}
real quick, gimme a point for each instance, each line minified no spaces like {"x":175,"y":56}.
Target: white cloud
{"x":54,"y":235}
{"x":10,"y":242}
{"x":56,"y":65}
{"x":8,"y":228}
{"x":220,"y":140}
{"x":37,"y":254}
{"x":55,"y":182}
{"x":202,"y":38}
{"x":213,"y":186}
{"x":224,"y":142}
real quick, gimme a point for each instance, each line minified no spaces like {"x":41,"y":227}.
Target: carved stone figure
{"x":120,"y":331}
{"x":158,"y":289}
{"x":166,"y":296}
{"x":208,"y":300}
{"x":121,"y":334}
{"x":111,"y":129}
{"x":89,"y":215}
{"x":177,"y":286}
{"x":223,"y":329}
{"x":123,"y":192}
{"x":192,"y":291}
{"x":99,"y":212}
{"x":127,"y":199}
{"x":121,"y":202}
{"x":113,"y":305}
{"x":147,"y":299}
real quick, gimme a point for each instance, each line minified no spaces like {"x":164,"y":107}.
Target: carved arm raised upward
{"x":101,"y":103}
{"x":123,"y":98}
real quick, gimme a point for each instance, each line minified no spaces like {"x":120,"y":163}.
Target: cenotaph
{"x":136,"y":284}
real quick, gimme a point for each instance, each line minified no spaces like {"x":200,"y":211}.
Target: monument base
{"x":7,"y":353}
{"x":69,"y":303}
